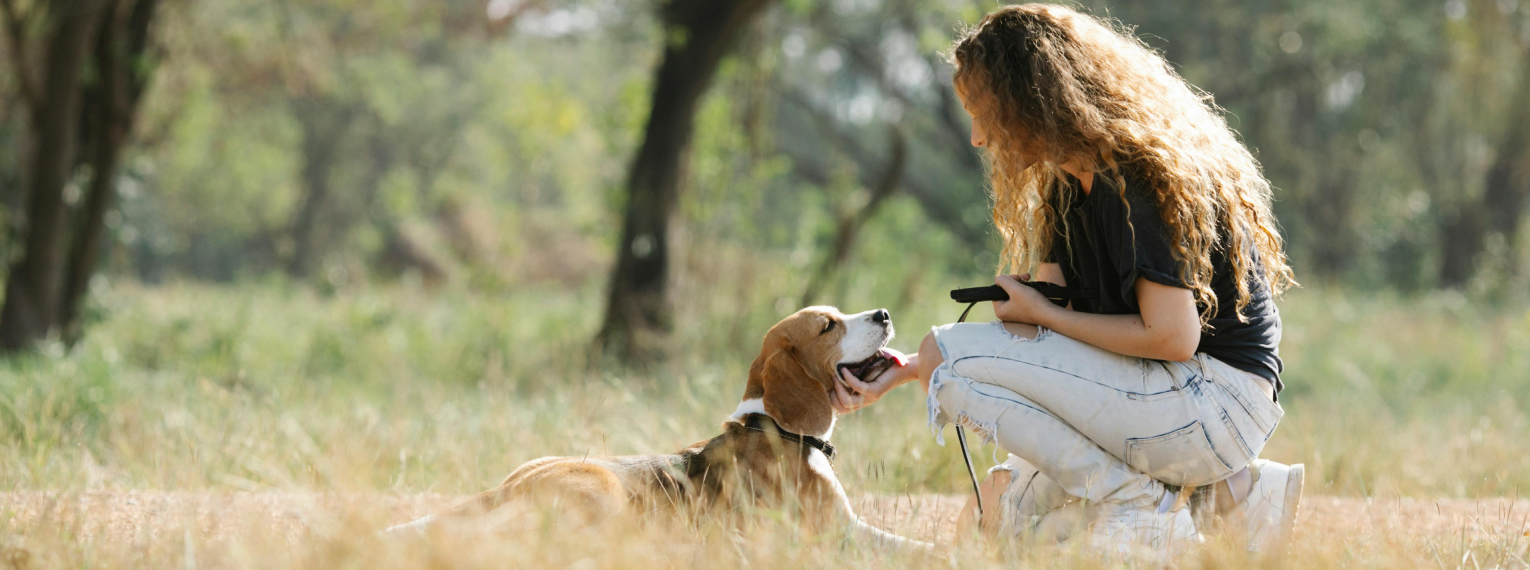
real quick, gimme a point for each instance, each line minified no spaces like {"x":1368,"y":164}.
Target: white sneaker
{"x":1268,"y":514}
{"x":1148,"y":528}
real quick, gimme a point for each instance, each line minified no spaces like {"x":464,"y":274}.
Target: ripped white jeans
{"x":1099,"y":425}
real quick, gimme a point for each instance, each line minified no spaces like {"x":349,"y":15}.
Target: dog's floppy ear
{"x":797,"y":402}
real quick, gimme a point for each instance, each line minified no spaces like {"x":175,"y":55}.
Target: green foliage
{"x":434,"y":117}
{"x":1375,"y":122}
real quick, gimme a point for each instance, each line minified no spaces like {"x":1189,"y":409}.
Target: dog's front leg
{"x":845,"y":515}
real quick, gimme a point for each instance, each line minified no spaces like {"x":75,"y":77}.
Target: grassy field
{"x":270,"y":425}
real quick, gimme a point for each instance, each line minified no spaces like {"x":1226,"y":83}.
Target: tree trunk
{"x":110,"y":106}
{"x":324,"y":124}
{"x":1332,"y":211}
{"x":1502,"y":204}
{"x":1460,"y":240}
{"x":697,"y":35}
{"x":33,"y":285}
{"x":1508,"y":179}
{"x":1329,"y":174}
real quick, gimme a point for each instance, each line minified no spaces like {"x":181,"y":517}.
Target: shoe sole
{"x":1295,"y":480}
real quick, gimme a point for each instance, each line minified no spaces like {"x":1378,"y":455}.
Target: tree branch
{"x":850,"y":223}
{"x":931,"y":200}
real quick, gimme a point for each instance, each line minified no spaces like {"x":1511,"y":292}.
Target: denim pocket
{"x":1181,"y":457}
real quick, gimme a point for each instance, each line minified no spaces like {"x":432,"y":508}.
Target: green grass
{"x":255,"y":387}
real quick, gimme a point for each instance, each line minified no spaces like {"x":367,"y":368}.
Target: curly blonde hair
{"x":1051,"y":85}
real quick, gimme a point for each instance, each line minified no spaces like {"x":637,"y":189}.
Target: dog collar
{"x":756,"y":422}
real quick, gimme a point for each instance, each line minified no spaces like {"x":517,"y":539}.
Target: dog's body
{"x":771,"y":452}
{"x":710,"y":476}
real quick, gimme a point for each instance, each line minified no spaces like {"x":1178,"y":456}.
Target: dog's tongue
{"x":895,"y":356}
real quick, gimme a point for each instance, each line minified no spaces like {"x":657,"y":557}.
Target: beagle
{"x":773,"y":451}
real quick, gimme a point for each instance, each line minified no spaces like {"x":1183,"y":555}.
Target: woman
{"x":1109,"y":173}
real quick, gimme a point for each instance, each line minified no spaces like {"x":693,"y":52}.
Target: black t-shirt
{"x":1104,"y":254}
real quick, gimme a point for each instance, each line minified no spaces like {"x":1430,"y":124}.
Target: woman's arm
{"x":1051,"y":273}
{"x":1168,"y":327}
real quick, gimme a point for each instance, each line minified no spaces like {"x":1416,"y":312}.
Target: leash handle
{"x":1059,"y":296}
{"x":961,"y":438}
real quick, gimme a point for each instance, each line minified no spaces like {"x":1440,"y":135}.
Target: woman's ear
{"x":797,"y":402}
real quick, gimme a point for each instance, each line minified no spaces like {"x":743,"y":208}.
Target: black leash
{"x":961,"y":434}
{"x":1058,"y":295}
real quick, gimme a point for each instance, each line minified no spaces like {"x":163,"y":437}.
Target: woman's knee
{"x":930,"y":358}
{"x":929,"y":351}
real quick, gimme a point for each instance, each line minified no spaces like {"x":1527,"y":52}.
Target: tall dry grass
{"x":328,"y":417}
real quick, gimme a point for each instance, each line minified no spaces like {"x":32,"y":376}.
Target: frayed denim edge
{"x":936,"y":382}
{"x":932,"y":404}
{"x":986,"y":431}
{"x":1041,"y":332}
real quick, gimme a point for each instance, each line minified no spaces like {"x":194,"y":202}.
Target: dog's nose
{"x":880,"y":316}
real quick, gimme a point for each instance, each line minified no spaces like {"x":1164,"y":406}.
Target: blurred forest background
{"x":512,"y":143}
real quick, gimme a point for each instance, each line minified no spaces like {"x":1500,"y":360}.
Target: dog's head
{"x":800,"y":360}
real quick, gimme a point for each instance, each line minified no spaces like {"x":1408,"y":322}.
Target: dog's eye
{"x":827,"y":328}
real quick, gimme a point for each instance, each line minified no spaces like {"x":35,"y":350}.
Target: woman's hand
{"x":851,"y":394}
{"x":1025,"y":305}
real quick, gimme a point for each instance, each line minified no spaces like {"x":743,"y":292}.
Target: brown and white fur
{"x":789,"y":383}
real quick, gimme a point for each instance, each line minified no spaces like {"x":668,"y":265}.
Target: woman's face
{"x":980,"y":136}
